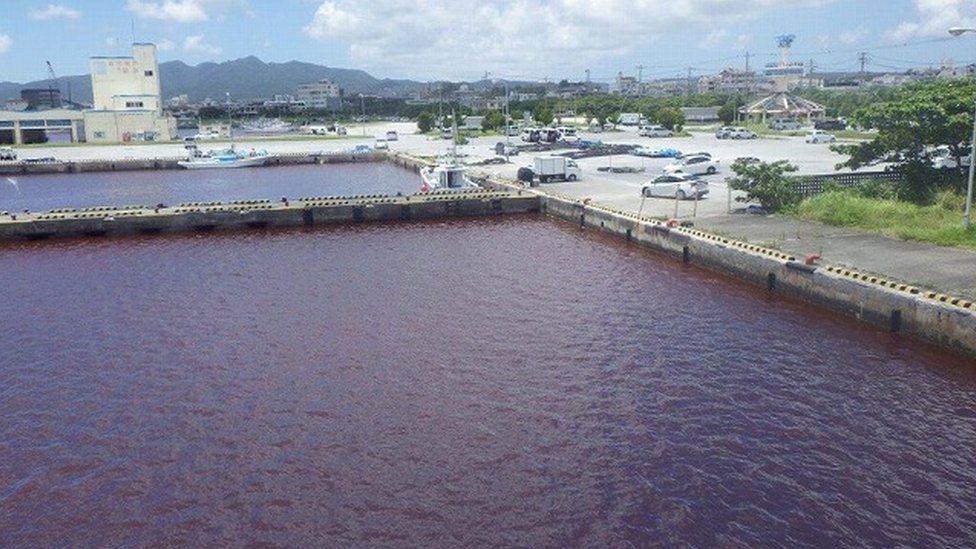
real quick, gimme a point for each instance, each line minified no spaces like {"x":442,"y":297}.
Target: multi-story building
{"x":324,"y":94}
{"x":127,"y":97}
{"x":729,"y":81}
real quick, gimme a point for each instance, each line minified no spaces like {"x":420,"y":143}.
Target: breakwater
{"x":26,"y":167}
{"x":253,"y":214}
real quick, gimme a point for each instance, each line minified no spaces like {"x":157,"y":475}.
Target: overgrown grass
{"x":939,"y":223}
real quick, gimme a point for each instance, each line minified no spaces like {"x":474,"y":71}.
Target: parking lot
{"x":622,"y":190}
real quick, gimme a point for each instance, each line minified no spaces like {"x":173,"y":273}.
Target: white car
{"x":723,"y":132}
{"x":693,"y":165}
{"x":786,"y":124}
{"x":6,"y":153}
{"x":680,"y":186}
{"x":655,"y":131}
{"x":740,"y":133}
{"x":392,"y":136}
{"x":942,"y":159}
{"x":820,"y":136}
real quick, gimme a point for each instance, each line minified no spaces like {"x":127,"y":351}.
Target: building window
{"x":99,"y":135}
{"x":133,"y":104}
{"x":149,"y":73}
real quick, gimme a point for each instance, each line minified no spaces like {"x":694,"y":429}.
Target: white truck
{"x":549,"y":168}
{"x":630,"y":118}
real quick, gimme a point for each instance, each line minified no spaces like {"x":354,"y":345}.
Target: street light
{"x":967,"y":217}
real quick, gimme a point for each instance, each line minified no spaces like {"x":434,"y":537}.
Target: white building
{"x":128,"y":102}
{"x":323,"y":94}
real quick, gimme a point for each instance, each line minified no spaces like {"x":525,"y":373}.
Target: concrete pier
{"x":251,"y":214}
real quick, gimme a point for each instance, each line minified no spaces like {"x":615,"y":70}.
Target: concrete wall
{"x":944,"y":320}
{"x":304,"y":212}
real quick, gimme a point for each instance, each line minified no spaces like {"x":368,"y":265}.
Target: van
{"x":786,"y":124}
{"x":530,"y":135}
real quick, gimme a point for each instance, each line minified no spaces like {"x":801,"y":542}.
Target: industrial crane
{"x":53,"y":77}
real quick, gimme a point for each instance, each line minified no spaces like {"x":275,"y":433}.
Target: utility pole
{"x":863,"y":58}
{"x":688,"y":86}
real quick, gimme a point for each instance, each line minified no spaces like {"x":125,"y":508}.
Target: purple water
{"x":171,"y":187}
{"x":470,"y":383}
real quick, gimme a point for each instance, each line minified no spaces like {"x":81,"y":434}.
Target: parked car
{"x":530,"y":135}
{"x":362,"y":149}
{"x":6,"y":153}
{"x":568,"y":134}
{"x":548,"y":135}
{"x":447,"y":133}
{"x":741,"y":133}
{"x":680,"y":186}
{"x":748,"y":160}
{"x":501,"y":149}
{"x":943,"y":159}
{"x":662,"y":152}
{"x":787,"y":124}
{"x":830,"y":124}
{"x":391,"y":136}
{"x":382,"y":145}
{"x":693,"y":165}
{"x":820,"y":136}
{"x":723,"y":132}
{"x":655,"y":131}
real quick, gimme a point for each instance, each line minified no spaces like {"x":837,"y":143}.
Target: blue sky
{"x":462,"y":39}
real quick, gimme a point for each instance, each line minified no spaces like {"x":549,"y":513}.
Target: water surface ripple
{"x":469,"y":383}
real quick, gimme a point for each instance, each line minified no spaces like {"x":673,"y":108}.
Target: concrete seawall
{"x":253,"y":214}
{"x":30,"y":168}
{"x":949,"y":322}
{"x":945,"y":320}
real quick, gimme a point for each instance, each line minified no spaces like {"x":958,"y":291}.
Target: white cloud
{"x":189,"y":11}
{"x":934,"y":18}
{"x":713,"y":39}
{"x":196,"y":45}
{"x":54,"y":11}
{"x":165,"y":45}
{"x":853,"y":36}
{"x":463,"y":38}
{"x":180,"y":11}
{"x":5,"y":42}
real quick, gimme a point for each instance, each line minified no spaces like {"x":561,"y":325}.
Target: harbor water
{"x":172,"y":187}
{"x":468,"y":383}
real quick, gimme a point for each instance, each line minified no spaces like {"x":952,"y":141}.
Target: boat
{"x":225,"y":158}
{"x":448,"y":174}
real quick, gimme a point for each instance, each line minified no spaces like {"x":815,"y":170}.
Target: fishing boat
{"x":448,"y":174}
{"x":225,"y":158}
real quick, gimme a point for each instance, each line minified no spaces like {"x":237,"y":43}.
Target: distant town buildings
{"x":321,"y":95}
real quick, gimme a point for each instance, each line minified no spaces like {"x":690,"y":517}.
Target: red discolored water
{"x":470,"y":383}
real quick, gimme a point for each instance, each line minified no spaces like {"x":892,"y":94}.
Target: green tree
{"x":671,"y":118}
{"x":543,"y":115}
{"x":425,"y":121}
{"x":493,"y":120}
{"x":726,"y":113}
{"x":766,"y":183}
{"x":919,"y":118}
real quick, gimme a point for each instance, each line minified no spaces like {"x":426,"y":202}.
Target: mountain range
{"x":247,"y":78}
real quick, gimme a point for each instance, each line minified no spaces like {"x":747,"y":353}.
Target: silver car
{"x":680,"y":186}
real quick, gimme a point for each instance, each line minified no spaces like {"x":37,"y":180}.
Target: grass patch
{"x":939,"y":223}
